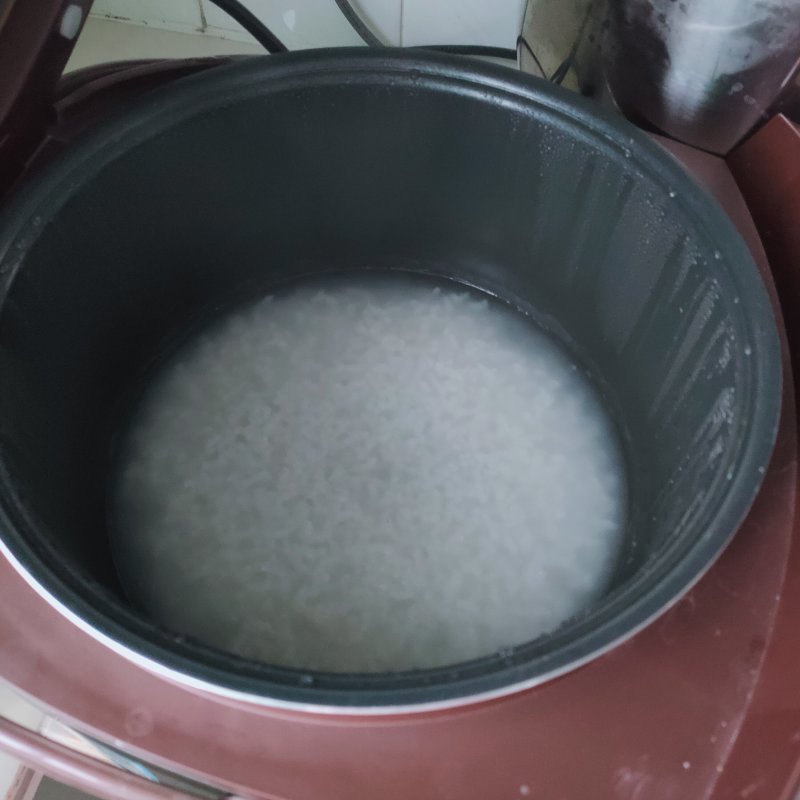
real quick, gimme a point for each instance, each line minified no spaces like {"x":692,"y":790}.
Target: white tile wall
{"x":487,"y":22}
{"x":297,"y":23}
{"x":105,"y":40}
{"x":177,"y":15}
{"x":319,"y":23}
{"x":309,"y":23}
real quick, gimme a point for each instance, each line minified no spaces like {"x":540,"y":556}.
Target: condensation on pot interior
{"x":369,"y":477}
{"x":686,"y":315}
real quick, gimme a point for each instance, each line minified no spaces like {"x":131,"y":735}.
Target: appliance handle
{"x":80,"y":771}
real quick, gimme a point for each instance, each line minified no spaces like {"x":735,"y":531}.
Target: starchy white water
{"x":368,"y":477}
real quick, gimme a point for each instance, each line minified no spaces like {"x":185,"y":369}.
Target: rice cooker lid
{"x":36,"y":40}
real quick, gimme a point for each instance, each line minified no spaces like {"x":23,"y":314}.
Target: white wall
{"x":176,"y":15}
{"x":319,"y":23}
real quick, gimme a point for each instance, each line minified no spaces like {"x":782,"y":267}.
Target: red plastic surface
{"x":766,"y":760}
{"x":663,"y":716}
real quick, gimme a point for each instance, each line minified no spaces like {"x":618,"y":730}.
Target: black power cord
{"x":368,"y":37}
{"x":272,"y":44}
{"x":358,"y":24}
{"x":252,"y":24}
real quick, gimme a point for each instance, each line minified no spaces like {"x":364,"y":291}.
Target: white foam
{"x":367,"y":478}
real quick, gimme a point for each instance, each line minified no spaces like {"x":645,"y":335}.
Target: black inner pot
{"x":272,"y":169}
